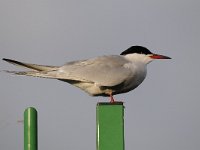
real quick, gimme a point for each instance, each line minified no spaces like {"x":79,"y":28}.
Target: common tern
{"x":101,"y":76}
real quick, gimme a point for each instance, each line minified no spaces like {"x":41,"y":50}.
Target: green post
{"x":110,"y":126}
{"x":30,"y":129}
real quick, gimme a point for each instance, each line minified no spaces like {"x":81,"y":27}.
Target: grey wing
{"x":104,"y":70}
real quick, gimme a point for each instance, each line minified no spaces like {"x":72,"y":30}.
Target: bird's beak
{"x":157,"y":56}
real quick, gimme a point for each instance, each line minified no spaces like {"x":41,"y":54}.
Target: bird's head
{"x":139,"y":53}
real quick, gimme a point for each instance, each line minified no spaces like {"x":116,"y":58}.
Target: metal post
{"x":110,"y":126}
{"x":30,"y":129}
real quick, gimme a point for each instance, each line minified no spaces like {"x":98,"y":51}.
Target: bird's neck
{"x":138,"y":58}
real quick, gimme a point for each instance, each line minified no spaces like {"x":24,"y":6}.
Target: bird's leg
{"x":111,"y":99}
{"x":109,"y":92}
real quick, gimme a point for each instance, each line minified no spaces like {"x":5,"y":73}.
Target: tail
{"x":36,"y":70}
{"x":41,"y":74}
{"x":30,"y":66}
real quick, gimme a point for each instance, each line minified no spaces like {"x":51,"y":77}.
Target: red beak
{"x":157,"y":56}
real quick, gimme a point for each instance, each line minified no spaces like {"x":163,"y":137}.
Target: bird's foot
{"x":112,"y":100}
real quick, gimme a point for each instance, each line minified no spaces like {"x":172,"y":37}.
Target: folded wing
{"x":103,"y":71}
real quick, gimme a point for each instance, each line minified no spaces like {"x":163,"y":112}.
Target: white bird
{"x":100,"y":76}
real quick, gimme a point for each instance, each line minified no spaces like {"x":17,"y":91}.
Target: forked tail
{"x":30,"y":66}
{"x":42,"y":71}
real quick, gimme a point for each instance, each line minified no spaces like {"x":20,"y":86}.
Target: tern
{"x":100,"y":76}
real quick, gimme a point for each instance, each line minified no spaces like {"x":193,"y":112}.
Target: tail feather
{"x":31,"y":66}
{"x":37,"y":70}
{"x":41,"y":74}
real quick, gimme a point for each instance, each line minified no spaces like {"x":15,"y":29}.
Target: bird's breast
{"x":138,"y":74}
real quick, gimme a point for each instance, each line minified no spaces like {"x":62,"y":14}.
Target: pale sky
{"x":162,"y":113}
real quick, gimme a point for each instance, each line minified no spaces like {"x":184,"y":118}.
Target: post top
{"x":108,"y":103}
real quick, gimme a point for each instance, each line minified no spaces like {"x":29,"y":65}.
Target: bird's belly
{"x":90,"y":88}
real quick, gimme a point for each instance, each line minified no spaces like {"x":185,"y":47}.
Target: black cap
{"x":136,"y":49}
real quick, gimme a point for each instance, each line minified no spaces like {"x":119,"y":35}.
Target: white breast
{"x":139,"y":72}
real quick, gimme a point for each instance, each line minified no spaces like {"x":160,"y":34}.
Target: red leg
{"x":111,"y":99}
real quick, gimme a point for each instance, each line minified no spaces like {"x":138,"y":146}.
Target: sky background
{"x":162,"y":113}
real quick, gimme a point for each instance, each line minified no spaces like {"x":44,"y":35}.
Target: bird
{"x":106,"y":75}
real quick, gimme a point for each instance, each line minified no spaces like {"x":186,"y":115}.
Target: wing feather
{"x":104,"y":70}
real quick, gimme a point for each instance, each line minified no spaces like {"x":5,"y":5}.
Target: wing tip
{"x":9,"y":60}
{"x":5,"y":59}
